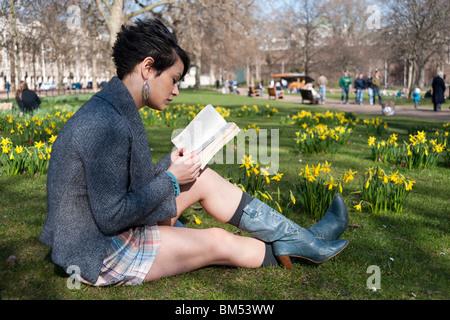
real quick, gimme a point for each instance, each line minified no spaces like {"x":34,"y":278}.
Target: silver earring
{"x":146,"y":90}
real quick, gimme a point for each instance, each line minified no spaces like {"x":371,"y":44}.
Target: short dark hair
{"x":147,"y":38}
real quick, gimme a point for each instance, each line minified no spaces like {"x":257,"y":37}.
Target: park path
{"x":425,"y":113}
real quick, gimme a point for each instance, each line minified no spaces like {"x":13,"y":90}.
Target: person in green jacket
{"x":376,"y":82}
{"x":345,"y":83}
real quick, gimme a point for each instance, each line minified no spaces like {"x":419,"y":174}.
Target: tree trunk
{"x":34,"y":68}
{"x":94,"y":64}
{"x":249,"y":77}
{"x":112,"y":40}
{"x":15,"y":39}
{"x":198,"y":67}
{"x":411,"y":77}
{"x":94,"y":72}
{"x":198,"y":72}
{"x":59,"y":66}
{"x":422,"y":75}
{"x":12,"y":66}
{"x":113,"y":20}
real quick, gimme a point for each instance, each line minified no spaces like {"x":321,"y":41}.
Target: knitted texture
{"x":101,"y":181}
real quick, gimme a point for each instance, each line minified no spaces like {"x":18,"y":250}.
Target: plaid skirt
{"x":129,"y":257}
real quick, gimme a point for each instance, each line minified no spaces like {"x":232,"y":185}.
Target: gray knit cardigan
{"x":101,"y":181}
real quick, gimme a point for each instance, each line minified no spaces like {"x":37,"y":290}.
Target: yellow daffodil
{"x":279,"y":208}
{"x":6,"y":141}
{"x":326,"y":166}
{"x":316,"y":170}
{"x":393,"y":138}
{"x":311,"y":178}
{"x":277,"y":177}
{"x":247,"y":162}
{"x":6,"y":149}
{"x":39,"y":144}
{"x":439,"y":148}
{"x":264,"y":195}
{"x":395,"y":177}
{"x":409,"y":185}
{"x":18,"y":149}
{"x":291,"y":195}
{"x":348,"y":175}
{"x":331,"y":183}
{"x":197,"y":220}
{"x":266,"y":174}
{"x":52,"y":139}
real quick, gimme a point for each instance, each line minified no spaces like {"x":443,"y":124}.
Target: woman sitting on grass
{"x":27,"y":99}
{"x":111,"y":211}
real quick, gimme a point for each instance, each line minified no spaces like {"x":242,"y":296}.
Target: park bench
{"x":308,"y":95}
{"x":274,"y":93}
{"x":252,"y":91}
{"x":6,"y":106}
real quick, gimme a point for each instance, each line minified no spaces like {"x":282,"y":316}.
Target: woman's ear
{"x":146,"y":67}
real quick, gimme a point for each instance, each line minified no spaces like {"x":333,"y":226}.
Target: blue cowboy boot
{"x":333,"y":223}
{"x":288,"y":239}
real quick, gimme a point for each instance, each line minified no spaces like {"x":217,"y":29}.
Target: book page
{"x":222,"y":138}
{"x":200,"y":131}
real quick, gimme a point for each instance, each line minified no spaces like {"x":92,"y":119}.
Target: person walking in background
{"x":370,"y":88}
{"x":260,"y":87}
{"x":438,"y":90}
{"x":27,"y":99}
{"x":376,"y":83}
{"x":8,"y":88}
{"x":360,"y":86}
{"x":345,"y":83}
{"x":416,"y":97}
{"x":322,"y":82}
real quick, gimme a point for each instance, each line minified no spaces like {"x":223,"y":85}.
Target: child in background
{"x":416,"y":97}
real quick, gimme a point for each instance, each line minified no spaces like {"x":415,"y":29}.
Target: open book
{"x":206,"y":134}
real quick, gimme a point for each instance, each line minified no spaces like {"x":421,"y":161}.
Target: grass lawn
{"x":411,"y":249}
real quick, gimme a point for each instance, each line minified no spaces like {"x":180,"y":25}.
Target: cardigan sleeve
{"x":105,"y":152}
{"x":163,"y":164}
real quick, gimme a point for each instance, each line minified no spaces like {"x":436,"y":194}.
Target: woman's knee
{"x":220,"y":236}
{"x":222,"y":241}
{"x":236,"y":250}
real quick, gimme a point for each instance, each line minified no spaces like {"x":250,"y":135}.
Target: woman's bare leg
{"x":218,"y":197}
{"x":183,"y":250}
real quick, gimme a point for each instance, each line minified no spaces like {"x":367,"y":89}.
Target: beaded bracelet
{"x":176,"y":186}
